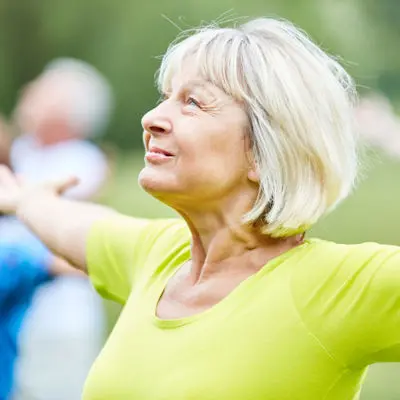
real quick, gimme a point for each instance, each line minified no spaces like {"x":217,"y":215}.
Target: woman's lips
{"x":159,"y":150}
{"x":156,"y":155}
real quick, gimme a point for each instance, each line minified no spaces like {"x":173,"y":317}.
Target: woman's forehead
{"x":188,"y":75}
{"x":185,"y":80}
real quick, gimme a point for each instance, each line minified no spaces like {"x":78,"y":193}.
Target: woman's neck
{"x":224,"y":243}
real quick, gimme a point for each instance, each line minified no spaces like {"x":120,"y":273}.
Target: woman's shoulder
{"x":174,"y":226}
{"x":364,"y":251}
{"x":166,"y":238}
{"x":144,"y":240}
{"x":131,"y":239}
{"x":331,"y":264}
{"x":122,"y":250}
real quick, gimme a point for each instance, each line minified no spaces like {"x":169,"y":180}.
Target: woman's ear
{"x":253,"y":172}
{"x":253,"y":175}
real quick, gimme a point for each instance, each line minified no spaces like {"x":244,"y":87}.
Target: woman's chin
{"x":154,"y":183}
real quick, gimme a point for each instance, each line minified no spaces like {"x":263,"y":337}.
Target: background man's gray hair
{"x":90,"y":97}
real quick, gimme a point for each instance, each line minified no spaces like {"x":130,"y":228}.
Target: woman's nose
{"x":155,"y":123}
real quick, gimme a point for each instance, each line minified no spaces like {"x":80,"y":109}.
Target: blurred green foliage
{"x":124,"y":39}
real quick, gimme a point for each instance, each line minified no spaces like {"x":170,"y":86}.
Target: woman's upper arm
{"x":351,"y":303}
{"x":112,"y":246}
{"x":121,"y":251}
{"x":380,"y":330}
{"x":367,"y":306}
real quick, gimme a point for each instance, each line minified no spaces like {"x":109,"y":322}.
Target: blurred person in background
{"x":68,"y":104}
{"x":378,"y":123}
{"x":22,"y":268}
{"x":253,"y":143}
{"x":25,"y":264}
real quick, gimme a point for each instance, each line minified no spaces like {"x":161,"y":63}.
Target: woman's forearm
{"x":61,"y":224}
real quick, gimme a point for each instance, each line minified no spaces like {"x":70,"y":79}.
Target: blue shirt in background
{"x":23,"y":267}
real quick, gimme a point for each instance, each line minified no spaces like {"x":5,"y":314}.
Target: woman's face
{"x":195,"y":142}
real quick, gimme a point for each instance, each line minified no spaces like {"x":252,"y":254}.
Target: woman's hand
{"x":14,"y":190}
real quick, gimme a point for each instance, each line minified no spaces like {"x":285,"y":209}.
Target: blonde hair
{"x":299,"y":102}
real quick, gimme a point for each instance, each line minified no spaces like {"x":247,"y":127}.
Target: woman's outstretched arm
{"x":61,"y":224}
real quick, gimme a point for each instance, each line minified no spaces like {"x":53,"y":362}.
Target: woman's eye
{"x":193,"y":102}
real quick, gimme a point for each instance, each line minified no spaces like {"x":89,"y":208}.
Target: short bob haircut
{"x":299,"y":102}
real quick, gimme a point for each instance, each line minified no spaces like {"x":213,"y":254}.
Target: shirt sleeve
{"x":352,"y":303}
{"x":119,"y":248}
{"x":376,"y":317}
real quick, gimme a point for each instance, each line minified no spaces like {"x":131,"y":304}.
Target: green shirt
{"x":306,"y":326}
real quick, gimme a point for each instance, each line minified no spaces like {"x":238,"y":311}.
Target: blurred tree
{"x":384,"y":15}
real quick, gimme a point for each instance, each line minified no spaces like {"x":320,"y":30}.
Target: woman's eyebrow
{"x":205,"y":85}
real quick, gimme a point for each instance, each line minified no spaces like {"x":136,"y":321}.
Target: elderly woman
{"x":252,"y":143}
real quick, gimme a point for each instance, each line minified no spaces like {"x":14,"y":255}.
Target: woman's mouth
{"x":157,"y":155}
